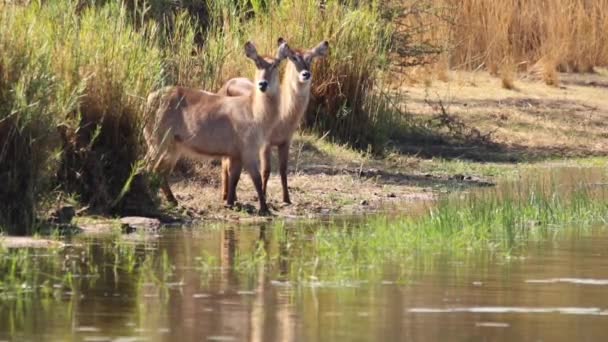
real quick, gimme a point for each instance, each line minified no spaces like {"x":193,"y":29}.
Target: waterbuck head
{"x":266,"y":76}
{"x":302,"y":60}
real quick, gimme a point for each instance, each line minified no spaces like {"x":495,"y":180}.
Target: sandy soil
{"x":534,"y":120}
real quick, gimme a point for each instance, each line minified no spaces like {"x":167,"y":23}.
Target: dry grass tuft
{"x":571,"y":32}
{"x":566,"y":35}
{"x":507,"y":73}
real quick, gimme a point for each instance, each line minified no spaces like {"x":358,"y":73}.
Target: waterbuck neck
{"x":294,"y":94}
{"x":265,"y":106}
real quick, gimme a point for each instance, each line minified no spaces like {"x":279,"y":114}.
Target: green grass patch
{"x":498,"y":221}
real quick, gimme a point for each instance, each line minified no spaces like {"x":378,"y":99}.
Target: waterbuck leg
{"x":233,"y":177}
{"x":254,"y":172}
{"x":164,"y":186}
{"x":225,"y":178}
{"x":283,"y":160}
{"x":266,"y":166}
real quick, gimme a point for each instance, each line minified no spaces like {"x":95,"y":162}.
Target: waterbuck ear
{"x":321,"y":50}
{"x":284,"y":50}
{"x":251,"y":52}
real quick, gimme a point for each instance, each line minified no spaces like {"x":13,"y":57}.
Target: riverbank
{"x":329,"y":179}
{"x":475,"y":132}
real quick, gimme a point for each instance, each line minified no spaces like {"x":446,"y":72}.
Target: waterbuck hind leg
{"x":225,"y":178}
{"x":266,"y":167}
{"x":283,"y":160}
{"x":164,"y":168}
{"x":234,"y":173}
{"x":166,"y":189}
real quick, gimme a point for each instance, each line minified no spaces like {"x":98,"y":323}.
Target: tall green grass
{"x":32,"y":104}
{"x":72,"y":90}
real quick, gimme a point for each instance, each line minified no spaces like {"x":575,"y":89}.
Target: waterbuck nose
{"x":306,"y":75}
{"x":263,"y":86}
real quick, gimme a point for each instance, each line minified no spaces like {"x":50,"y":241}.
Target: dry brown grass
{"x":507,"y":74}
{"x":572,"y":33}
{"x":564,"y":35}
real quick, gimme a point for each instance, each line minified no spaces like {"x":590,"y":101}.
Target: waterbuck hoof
{"x":286,"y":201}
{"x":225,"y":197}
{"x":264,"y":212}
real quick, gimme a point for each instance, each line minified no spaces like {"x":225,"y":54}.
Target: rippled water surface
{"x":207,"y":283}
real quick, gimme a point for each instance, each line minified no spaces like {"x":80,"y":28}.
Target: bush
{"x":75,"y":82}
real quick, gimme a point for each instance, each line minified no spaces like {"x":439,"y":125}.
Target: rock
{"x":458,"y":177}
{"x":134,"y":223}
{"x":28,"y":242}
{"x":98,"y":228}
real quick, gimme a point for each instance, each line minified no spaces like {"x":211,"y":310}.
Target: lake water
{"x":231,"y":283}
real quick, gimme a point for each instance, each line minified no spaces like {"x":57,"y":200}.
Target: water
{"x":227,"y":283}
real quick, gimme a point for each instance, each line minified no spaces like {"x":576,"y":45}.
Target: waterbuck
{"x":295,"y":95}
{"x":196,"y":123}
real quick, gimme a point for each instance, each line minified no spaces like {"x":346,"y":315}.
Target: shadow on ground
{"x":446,"y":135}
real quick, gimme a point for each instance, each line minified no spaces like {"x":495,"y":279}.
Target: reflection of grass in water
{"x":52,"y":283}
{"x":30,"y":274}
{"x":21,"y":275}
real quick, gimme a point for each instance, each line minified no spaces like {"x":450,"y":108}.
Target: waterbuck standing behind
{"x":295,"y":95}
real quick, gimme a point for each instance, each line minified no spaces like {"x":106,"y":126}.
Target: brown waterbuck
{"x":295,"y":95}
{"x":195,"y":123}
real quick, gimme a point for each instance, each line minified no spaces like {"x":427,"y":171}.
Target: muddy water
{"x":206,"y":283}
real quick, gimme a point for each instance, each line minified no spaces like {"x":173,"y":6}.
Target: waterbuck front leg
{"x":234,"y":173}
{"x":283,"y":160}
{"x":266,"y":166}
{"x":254,"y":172}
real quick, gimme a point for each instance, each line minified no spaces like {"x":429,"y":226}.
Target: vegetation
{"x":506,"y":36}
{"x":72,"y":87}
{"x":497,"y":220}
